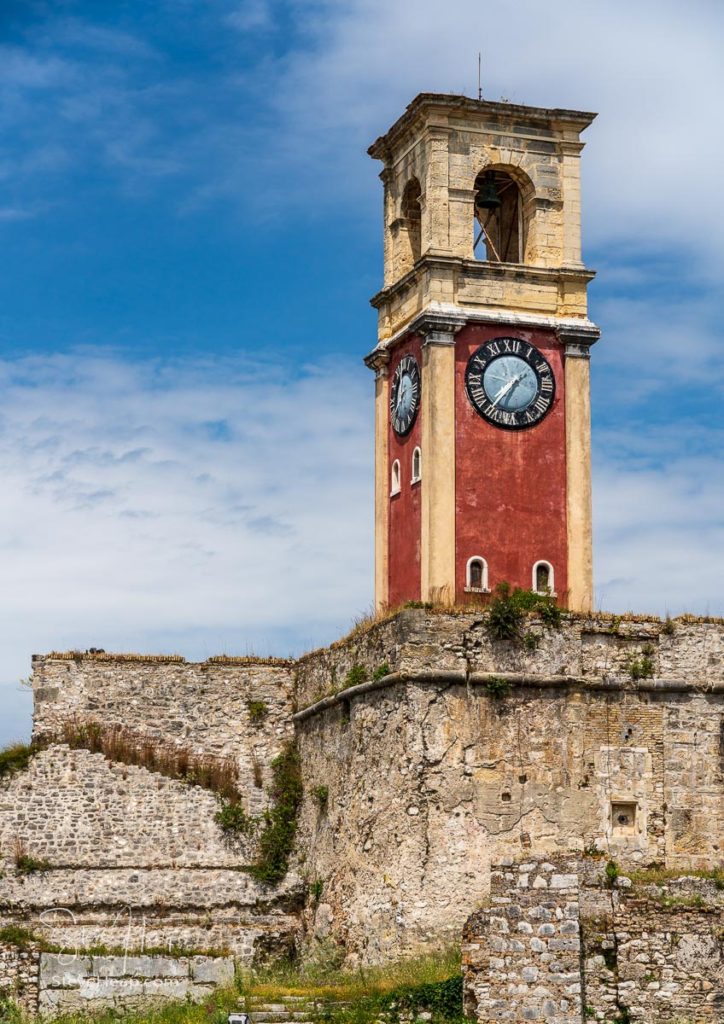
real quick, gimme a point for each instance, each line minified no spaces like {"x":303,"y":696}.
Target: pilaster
{"x":382,"y":479}
{"x":577,"y":342}
{"x":437,"y":541}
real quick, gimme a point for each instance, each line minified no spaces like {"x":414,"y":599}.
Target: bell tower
{"x":482,"y":407}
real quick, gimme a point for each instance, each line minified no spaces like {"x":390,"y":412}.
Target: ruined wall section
{"x":429,"y":775}
{"x":205,"y":707}
{"x":79,"y":810}
{"x":19,"y":977}
{"x":123,"y":857}
{"x":559,"y":941}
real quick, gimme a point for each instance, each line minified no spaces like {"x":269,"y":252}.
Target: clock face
{"x":405,"y":395}
{"x":509,"y":383}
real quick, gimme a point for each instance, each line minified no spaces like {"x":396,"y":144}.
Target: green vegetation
{"x":258,"y":711}
{"x":509,"y":608}
{"x":659,"y":875}
{"x":668,"y":628}
{"x":591,"y":850}
{"x":233,"y":820}
{"x":316,"y":889}
{"x":497,"y":688}
{"x":16,"y":935}
{"x":612,"y":873}
{"x":426,"y":605}
{"x":25,"y":864}
{"x":643,"y":667}
{"x":321,"y":795}
{"x":356,"y":675}
{"x":16,"y":758}
{"x":365,"y":990}
{"x":9,"y":1012}
{"x":213,"y":1010}
{"x":280,"y":821}
{"x":531,"y":641}
{"x":381,"y":671}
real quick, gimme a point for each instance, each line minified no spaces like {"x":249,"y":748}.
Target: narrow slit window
{"x":416,"y":466}
{"x":395,"y":478}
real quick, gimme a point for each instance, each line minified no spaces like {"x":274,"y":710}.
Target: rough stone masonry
{"x":428,"y":753}
{"x":560,"y":942}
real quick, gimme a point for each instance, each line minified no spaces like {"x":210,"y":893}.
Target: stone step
{"x":262,"y":1015}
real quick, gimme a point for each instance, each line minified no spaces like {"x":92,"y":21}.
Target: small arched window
{"x":395,"y":478}
{"x":416,"y":466}
{"x":543,"y":579}
{"x":476,"y":575}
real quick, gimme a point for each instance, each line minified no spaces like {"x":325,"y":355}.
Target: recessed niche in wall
{"x":623,"y":817}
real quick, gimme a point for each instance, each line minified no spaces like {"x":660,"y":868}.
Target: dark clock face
{"x":405,"y":395}
{"x":509,"y":383}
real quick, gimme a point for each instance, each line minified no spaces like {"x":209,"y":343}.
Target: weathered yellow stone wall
{"x":432,"y":778}
{"x":444,"y":148}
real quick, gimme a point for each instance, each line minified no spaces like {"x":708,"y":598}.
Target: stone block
{"x":139,"y":967}
{"x":60,"y":970}
{"x":213,"y":970}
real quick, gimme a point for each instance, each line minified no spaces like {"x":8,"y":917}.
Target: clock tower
{"x":482,"y":408}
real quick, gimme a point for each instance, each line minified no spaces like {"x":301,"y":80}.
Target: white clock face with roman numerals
{"x":509,"y":383}
{"x":405,"y":395}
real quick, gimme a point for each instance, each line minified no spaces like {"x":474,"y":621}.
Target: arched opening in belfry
{"x":498,"y":224}
{"x":411,"y":222}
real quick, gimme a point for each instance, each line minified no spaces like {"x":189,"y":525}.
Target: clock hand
{"x":504,"y":390}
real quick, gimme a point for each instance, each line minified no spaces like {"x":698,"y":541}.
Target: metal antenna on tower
{"x":480,"y":85}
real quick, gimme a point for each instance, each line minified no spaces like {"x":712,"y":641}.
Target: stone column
{"x":437,"y":541}
{"x":577,"y":342}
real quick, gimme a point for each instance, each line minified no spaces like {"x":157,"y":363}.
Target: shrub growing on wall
{"x":276,"y":840}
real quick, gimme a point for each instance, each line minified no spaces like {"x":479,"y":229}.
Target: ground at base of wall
{"x":58,"y":984}
{"x":420,"y":990}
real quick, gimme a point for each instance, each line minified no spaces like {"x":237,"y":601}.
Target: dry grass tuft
{"x":118,"y":743}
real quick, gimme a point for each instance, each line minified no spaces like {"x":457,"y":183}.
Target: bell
{"x":487,"y":197}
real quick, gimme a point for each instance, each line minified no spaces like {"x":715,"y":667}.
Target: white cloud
{"x":251,"y":16}
{"x":200,"y":506}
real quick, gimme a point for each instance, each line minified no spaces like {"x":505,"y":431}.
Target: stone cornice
{"x":578,"y":339}
{"x":443,"y":317}
{"x":428,"y":104}
{"x":484,"y":268}
{"x":605,"y":684}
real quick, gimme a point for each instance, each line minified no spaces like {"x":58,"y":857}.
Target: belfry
{"x":482,"y":407}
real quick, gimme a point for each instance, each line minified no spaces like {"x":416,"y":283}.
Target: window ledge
{"x":393,"y":494}
{"x":545,"y":593}
{"x":416,"y":480}
{"x":477,"y":590}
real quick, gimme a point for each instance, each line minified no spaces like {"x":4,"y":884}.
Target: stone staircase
{"x":288,"y":1009}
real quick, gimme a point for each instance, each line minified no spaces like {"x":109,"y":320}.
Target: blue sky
{"x":190,"y":233}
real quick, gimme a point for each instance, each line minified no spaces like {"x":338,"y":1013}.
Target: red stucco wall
{"x":404,"y":525}
{"x":510,"y":484}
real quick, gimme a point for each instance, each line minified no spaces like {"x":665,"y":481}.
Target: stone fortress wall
{"x":134,"y":859}
{"x":204,"y":707}
{"x":432,"y":777}
{"x":428,"y":753}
